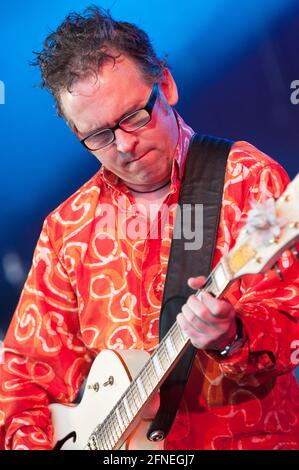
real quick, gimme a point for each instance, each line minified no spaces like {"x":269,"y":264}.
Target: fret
{"x":167,"y":354}
{"x":137,"y":396}
{"x":117,"y":421}
{"x":103,"y":441}
{"x":176,"y":337}
{"x":97,"y":440}
{"x":146,"y":382}
{"x":105,"y":435}
{"x":132,"y":402}
{"x":103,"y":444}
{"x":120,"y":421}
{"x":127,"y":409}
{"x":113,"y":428}
{"x":100,"y":431}
{"x":109,"y":436}
{"x":164,"y":361}
{"x":170,"y":347}
{"x":218,"y":279}
{"x":110,"y":430}
{"x":151,"y":371}
{"x":123,"y":413}
{"x":156,"y":364}
{"x":180,"y":334}
{"x":106,"y":445}
{"x":160,"y":354}
{"x":97,"y":444}
{"x":145,"y":377}
{"x":141,"y":388}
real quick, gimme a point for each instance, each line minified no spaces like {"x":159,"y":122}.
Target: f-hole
{"x":60,"y":444}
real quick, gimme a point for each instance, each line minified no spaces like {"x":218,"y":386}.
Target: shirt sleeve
{"x":267,"y":305}
{"x":43,"y":358}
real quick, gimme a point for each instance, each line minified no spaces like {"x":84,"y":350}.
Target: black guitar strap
{"x":202,"y":184}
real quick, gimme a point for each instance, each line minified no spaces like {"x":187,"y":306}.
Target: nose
{"x":125,"y":142}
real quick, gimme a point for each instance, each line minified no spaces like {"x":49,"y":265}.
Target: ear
{"x":169,"y":88}
{"x":74,"y":129}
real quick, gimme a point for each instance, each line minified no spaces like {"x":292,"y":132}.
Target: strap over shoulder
{"x":202,"y":184}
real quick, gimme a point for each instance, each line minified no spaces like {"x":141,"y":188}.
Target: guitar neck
{"x":112,"y":431}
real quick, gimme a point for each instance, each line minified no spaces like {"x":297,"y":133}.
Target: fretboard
{"x":110,"y":433}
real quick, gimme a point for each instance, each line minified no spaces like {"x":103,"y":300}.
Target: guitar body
{"x":109,"y":377}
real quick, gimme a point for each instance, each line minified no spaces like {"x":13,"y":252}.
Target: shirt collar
{"x":180,"y":154}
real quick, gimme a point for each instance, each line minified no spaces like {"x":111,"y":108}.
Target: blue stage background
{"x":234,"y":63}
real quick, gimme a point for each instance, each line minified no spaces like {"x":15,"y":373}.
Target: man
{"x":91,"y":288}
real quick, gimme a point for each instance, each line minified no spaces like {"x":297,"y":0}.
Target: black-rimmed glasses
{"x":130,"y":123}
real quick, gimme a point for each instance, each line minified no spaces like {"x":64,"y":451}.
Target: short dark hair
{"x":84,"y":42}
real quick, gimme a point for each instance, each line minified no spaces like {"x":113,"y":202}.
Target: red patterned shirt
{"x":97,"y":281}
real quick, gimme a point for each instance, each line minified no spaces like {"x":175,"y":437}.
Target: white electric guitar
{"x":118,"y":403}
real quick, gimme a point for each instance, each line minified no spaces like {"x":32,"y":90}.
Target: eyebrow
{"x":97,"y":129}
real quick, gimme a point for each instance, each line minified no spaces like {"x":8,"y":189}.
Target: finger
{"x":219,"y":309}
{"x":197,"y":339}
{"x":199,"y":310}
{"x":196,"y":282}
{"x":194,"y":319}
{"x":203,"y":315}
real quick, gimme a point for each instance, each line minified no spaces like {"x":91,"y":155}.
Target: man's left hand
{"x":208,"y":322}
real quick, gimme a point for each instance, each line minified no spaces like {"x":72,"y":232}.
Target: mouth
{"x":138,"y":158}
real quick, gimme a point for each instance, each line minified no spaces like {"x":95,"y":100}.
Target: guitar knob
{"x":95,"y":387}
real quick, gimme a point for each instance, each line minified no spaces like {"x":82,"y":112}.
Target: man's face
{"x":142,"y":159}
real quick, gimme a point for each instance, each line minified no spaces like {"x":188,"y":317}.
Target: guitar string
{"x":133,"y":390}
